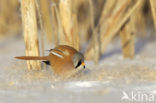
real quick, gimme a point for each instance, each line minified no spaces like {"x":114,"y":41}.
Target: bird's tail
{"x":32,"y":57}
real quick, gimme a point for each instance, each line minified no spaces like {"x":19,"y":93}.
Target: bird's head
{"x":78,"y":60}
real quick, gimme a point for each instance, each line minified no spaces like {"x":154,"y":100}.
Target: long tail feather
{"x":32,"y":58}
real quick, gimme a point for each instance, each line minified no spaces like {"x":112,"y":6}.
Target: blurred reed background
{"x":89,"y":24}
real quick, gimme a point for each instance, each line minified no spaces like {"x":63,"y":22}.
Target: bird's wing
{"x":57,"y":53}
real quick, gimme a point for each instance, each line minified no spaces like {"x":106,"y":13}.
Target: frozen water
{"x":105,"y":82}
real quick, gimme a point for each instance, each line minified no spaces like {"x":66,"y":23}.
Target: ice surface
{"x":102,"y":83}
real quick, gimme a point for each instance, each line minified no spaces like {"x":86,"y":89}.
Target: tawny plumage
{"x":63,"y":59}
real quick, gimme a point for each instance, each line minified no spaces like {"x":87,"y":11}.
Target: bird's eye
{"x":78,"y":64}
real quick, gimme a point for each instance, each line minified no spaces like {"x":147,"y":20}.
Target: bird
{"x":63,"y":59}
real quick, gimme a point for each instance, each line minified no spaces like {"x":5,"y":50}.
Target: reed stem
{"x":30,"y":32}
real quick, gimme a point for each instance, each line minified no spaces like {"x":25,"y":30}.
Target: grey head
{"x":78,"y":60}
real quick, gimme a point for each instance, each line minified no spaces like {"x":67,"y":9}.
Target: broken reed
{"x":127,"y":40}
{"x":30,"y":32}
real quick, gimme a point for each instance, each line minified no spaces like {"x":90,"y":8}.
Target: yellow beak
{"x":83,"y":64}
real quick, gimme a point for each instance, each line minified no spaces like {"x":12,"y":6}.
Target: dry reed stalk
{"x":139,"y":20}
{"x":54,"y":24}
{"x":42,"y":30}
{"x":76,"y":39}
{"x":30,"y":32}
{"x":41,"y":27}
{"x":153,"y":8}
{"x":46,"y":19}
{"x":114,"y":23}
{"x":109,"y":9}
{"x":55,"y":1}
{"x":59,"y":25}
{"x":95,"y":34}
{"x":135,"y":25}
{"x":69,"y":24}
{"x":82,"y":9}
{"x":127,"y":40}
